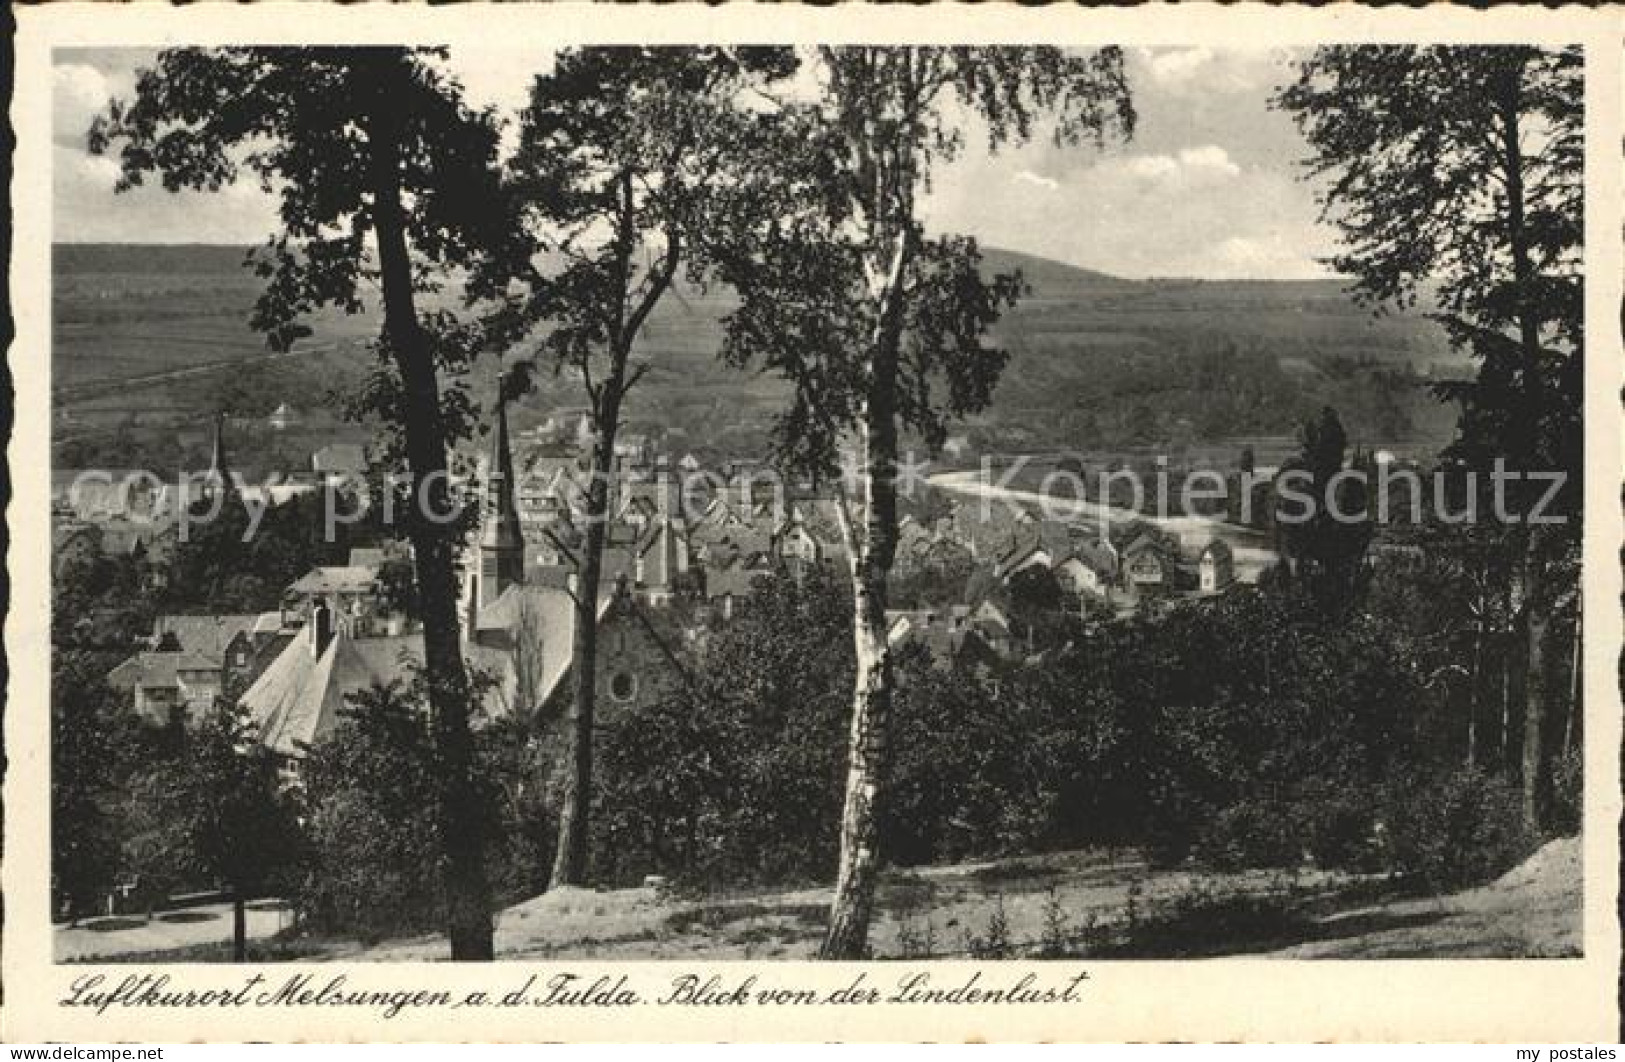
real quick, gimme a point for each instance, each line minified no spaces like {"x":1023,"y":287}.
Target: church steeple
{"x":502,"y":544}
{"x":218,"y":478}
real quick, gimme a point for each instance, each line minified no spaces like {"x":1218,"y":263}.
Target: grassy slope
{"x":1060,"y":904}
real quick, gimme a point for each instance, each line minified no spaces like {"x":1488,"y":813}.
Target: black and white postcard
{"x":558,"y":522}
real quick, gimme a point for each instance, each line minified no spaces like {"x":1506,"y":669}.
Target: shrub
{"x":1568,"y":792}
{"x":1338,"y":826}
{"x":1459,"y":829}
{"x":1252,"y":833}
{"x":374,"y":853}
{"x":374,"y":860}
{"x":1206,"y":919}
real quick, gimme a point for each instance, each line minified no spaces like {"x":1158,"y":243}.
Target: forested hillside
{"x":145,"y":334}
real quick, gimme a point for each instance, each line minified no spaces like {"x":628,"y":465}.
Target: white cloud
{"x":85,"y":208}
{"x":1264,"y":255}
{"x":78,"y":93}
{"x":1175,"y":67}
{"x":92,"y":171}
{"x":1186,"y":71}
{"x":499,"y":77}
{"x":1151,"y":167}
{"x":1049,"y":184}
{"x":1191,"y":167}
{"x":1209,"y":157}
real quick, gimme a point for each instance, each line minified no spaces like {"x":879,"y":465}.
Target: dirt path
{"x":117,"y":935}
{"x":1534,"y":911}
{"x":940,"y":911}
{"x":1017,"y":907}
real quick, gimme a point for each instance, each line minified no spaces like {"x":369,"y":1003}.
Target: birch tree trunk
{"x":857,"y":876}
{"x":855,"y":881}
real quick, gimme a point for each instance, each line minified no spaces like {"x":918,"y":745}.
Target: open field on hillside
{"x":147,"y":339}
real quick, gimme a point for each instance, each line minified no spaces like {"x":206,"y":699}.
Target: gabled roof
{"x":1219,"y":550}
{"x":1024,"y":549}
{"x":1140,"y":544}
{"x":991,"y":631}
{"x":1098,"y":555}
{"x":267,"y":623}
{"x":366,"y":557}
{"x":336,"y":579}
{"x":339,"y":457}
{"x":734,"y":580}
{"x":296,"y":701}
{"x":158,"y":670}
{"x":552,"y":621}
{"x":207,"y":636}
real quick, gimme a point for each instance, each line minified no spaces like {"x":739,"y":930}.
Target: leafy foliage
{"x":1247,"y":730}
{"x":91,"y":737}
{"x":740,"y":780}
{"x":1457,"y":828}
{"x":1463,"y":168}
{"x":1325,"y":519}
{"x":357,"y":143}
{"x":628,"y":162}
{"x":374,"y":849}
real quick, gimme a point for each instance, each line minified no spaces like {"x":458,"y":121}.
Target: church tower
{"x":502,"y":545}
{"x":217,"y":481}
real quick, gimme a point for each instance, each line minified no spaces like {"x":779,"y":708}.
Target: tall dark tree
{"x":234,"y":820}
{"x":1323,"y":518}
{"x":90,"y":735}
{"x":382,"y":174}
{"x":628,"y":161}
{"x":1461,"y":170}
{"x":881,"y":328}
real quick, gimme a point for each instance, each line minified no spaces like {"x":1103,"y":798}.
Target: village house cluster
{"x":677,"y":561}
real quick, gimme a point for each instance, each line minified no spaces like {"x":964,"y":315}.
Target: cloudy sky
{"x":1209,"y":186}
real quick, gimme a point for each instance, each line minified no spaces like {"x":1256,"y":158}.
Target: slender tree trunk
{"x":458,"y":815}
{"x":1574,"y":688}
{"x":1472,"y":695}
{"x":855,"y":881}
{"x":570,"y":857}
{"x":239,"y":927}
{"x":1537,"y":676}
{"x":1532,"y":413}
{"x":1505,"y":750}
{"x":853,"y":904}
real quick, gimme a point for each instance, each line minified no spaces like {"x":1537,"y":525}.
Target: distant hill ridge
{"x":1049,"y":278}
{"x":1096,"y":360}
{"x":81,"y":258}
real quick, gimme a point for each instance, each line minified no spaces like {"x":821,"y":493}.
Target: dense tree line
{"x":1251,"y":730}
